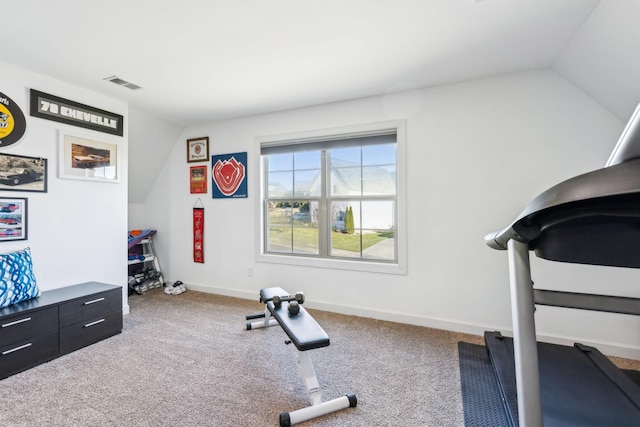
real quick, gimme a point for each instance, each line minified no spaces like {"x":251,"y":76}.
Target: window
{"x":333,"y":197}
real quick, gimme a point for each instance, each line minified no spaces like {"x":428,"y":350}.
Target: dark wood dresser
{"x":56,"y":323}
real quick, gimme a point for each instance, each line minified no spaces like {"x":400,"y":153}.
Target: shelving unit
{"x":143,"y":264}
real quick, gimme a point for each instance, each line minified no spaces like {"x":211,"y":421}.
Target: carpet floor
{"x":188,"y":360}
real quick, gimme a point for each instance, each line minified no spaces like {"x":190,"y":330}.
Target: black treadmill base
{"x":579,"y":386}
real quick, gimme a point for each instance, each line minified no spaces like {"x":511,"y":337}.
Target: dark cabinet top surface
{"x":56,"y":296}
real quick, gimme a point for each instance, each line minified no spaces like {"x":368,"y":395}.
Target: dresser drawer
{"x":27,"y":325}
{"x":90,"y":307}
{"x":26,"y":354}
{"x":90,"y":331}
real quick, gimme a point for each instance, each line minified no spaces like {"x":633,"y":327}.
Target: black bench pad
{"x":303,"y":330}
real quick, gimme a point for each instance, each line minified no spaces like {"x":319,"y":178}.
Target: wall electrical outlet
{"x":250,"y":271}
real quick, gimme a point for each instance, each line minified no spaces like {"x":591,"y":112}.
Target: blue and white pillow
{"x":17,"y":282}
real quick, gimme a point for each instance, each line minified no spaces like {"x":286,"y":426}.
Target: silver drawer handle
{"x":93,"y":323}
{"x":26,"y":319}
{"x":94,"y":301}
{"x":16,"y":349}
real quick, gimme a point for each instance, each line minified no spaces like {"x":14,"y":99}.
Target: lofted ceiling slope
{"x":203,"y":60}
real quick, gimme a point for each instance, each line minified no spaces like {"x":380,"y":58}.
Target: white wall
{"x":151,"y":140}
{"x":136,"y":219}
{"x":77,"y":229}
{"x":477,"y":153}
{"x":600,"y":57}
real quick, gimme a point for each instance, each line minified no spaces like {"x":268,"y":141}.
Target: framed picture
{"x":229,"y":175}
{"x":198,"y":179}
{"x":13,"y":219}
{"x":198,"y":149}
{"x":22,"y":173}
{"x":89,"y":159}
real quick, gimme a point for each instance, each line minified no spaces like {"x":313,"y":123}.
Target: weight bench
{"x":305,"y":334}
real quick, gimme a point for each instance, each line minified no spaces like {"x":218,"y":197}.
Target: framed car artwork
{"x":13,"y":218}
{"x":88,"y":158}
{"x":22,"y":173}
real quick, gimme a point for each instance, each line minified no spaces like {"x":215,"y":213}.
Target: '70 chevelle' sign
{"x":62,"y":110}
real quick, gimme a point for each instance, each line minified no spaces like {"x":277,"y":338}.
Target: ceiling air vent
{"x":117,"y":80}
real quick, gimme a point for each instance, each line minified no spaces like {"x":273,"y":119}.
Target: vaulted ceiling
{"x":204,"y":60}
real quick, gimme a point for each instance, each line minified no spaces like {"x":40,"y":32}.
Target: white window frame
{"x":397,"y":126}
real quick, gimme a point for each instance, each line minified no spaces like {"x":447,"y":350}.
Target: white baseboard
{"x":607,"y":348}
{"x":224,"y":291}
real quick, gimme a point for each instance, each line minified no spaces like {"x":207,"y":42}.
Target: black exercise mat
{"x":481,"y":398}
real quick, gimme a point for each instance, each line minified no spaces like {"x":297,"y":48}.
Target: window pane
{"x":279,"y":213}
{"x":379,"y":180}
{"x":346,"y":181}
{"x":370,"y":244}
{"x":377,"y":215}
{"x":378,"y":224}
{"x":345,"y":238}
{"x":346,"y":156}
{"x":279,"y":239}
{"x":305,"y":214}
{"x":281,"y":162}
{"x":346,"y":245}
{"x":379,"y":154}
{"x":307,"y":183}
{"x":378,"y":245}
{"x":337,"y":215}
{"x":305,"y":228}
{"x":307,"y":160}
{"x":280,"y":184}
{"x":305,"y":241}
{"x":373,"y":230}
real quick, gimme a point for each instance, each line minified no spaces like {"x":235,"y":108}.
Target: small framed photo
{"x":88,"y":158}
{"x":198,"y":179}
{"x":13,"y":219}
{"x":198,"y":149}
{"x":22,"y":173}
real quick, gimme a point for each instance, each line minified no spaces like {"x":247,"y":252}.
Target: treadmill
{"x":594,"y":219}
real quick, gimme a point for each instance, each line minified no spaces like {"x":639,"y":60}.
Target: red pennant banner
{"x":198,"y":235}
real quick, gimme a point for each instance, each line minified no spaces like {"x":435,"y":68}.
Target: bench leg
{"x":318,"y":407}
{"x":308,"y":374}
{"x":268,"y":321}
{"x":304,"y":414}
